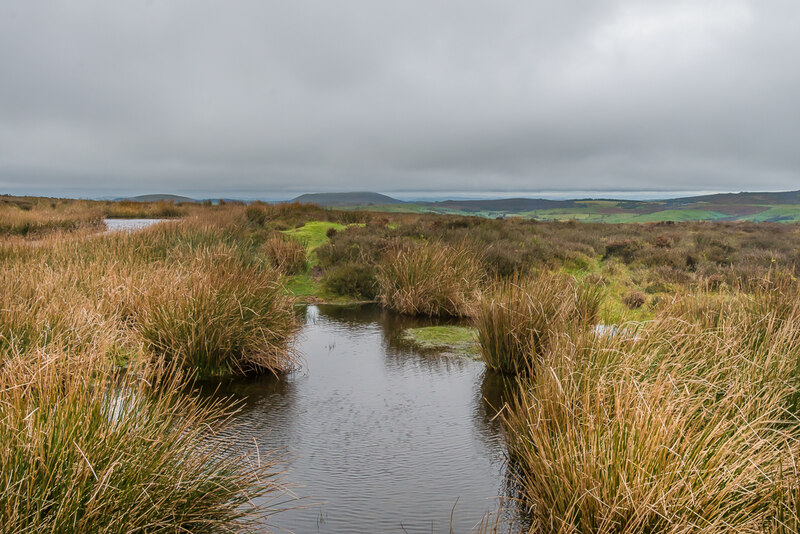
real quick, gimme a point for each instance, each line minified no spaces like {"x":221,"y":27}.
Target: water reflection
{"x":128,"y":225}
{"x":388,"y":438}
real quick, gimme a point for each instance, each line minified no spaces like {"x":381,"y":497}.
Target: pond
{"x":128,"y":225}
{"x":380,"y":437}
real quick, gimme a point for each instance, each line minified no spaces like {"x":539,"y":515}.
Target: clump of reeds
{"x":214,"y":314}
{"x":37,"y":221}
{"x":89,"y":449}
{"x":43,"y":304}
{"x":144,"y":210}
{"x":680,"y":425}
{"x":285,"y":254}
{"x":521,"y":318}
{"x":431,"y":279}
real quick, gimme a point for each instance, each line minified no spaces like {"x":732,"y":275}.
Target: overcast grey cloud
{"x":266,"y":98}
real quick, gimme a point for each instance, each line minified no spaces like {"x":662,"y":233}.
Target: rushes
{"x":215,"y":315}
{"x":14,"y":221}
{"x":682,"y":427}
{"x":434,"y":280}
{"x":285,"y":254}
{"x":90,"y":447}
{"x":216,"y":307}
{"x":86,"y":449}
{"x":520,"y":320}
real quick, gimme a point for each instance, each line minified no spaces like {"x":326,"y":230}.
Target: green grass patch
{"x":780,"y":213}
{"x":313,"y":233}
{"x":302,"y":285}
{"x":455,"y":339}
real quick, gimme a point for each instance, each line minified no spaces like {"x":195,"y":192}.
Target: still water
{"x":128,"y":225}
{"x":380,"y":437}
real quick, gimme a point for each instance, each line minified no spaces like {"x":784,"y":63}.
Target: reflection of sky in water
{"x":383,"y":437}
{"x":128,"y":225}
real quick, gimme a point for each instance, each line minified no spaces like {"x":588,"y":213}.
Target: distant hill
{"x":159,"y":198}
{"x":738,"y":199}
{"x":501,"y":204}
{"x":748,"y":206}
{"x":360,"y":198}
{"x":757,"y":206}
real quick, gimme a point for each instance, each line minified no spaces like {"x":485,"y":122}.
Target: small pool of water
{"x":129,"y":225}
{"x":379,"y":437}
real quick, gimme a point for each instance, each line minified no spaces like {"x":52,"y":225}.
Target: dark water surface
{"x":380,"y":437}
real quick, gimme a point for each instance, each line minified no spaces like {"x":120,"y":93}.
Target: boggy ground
{"x":682,"y":419}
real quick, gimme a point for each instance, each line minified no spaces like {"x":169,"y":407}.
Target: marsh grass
{"x":35,"y":222}
{"x":685,"y":422}
{"x":521,"y":318}
{"x":91,"y":446}
{"x":285,"y":254}
{"x":214,"y":315}
{"x":431,"y":279}
{"x":681,"y":425}
{"x":144,"y":210}
{"x":196,"y":291}
{"x":89,"y":449}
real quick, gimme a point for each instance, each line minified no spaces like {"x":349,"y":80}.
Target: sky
{"x":267,"y":99}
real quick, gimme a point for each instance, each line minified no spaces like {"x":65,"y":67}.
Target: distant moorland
{"x":757,"y":207}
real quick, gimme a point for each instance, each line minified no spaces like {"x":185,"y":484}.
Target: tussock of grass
{"x":197,"y":291}
{"x":433,"y":280}
{"x":285,"y":254}
{"x":88,"y":447}
{"x":522,"y":318}
{"x":215,"y":315}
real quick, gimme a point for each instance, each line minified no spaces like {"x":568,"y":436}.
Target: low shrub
{"x":352,"y":280}
{"x":634,"y":299}
{"x":625,"y":250}
{"x":285,"y":254}
{"x":256,"y":214}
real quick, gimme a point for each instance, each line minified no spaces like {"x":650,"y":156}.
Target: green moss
{"x":301,"y":285}
{"x":455,"y":339}
{"x":313,"y":233}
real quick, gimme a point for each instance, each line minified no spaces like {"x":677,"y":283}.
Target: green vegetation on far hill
{"x":774,"y":207}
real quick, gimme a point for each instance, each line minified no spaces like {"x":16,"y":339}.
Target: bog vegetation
{"x":655,"y":366}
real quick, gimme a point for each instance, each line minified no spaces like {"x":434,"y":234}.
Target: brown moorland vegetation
{"x":682,"y":417}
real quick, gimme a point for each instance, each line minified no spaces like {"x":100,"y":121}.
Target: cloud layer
{"x":265,"y":98}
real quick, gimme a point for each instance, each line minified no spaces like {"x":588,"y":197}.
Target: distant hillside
{"x":361,"y":198}
{"x":501,"y":204}
{"x":758,"y":206}
{"x":159,"y":198}
{"x":780,"y":197}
